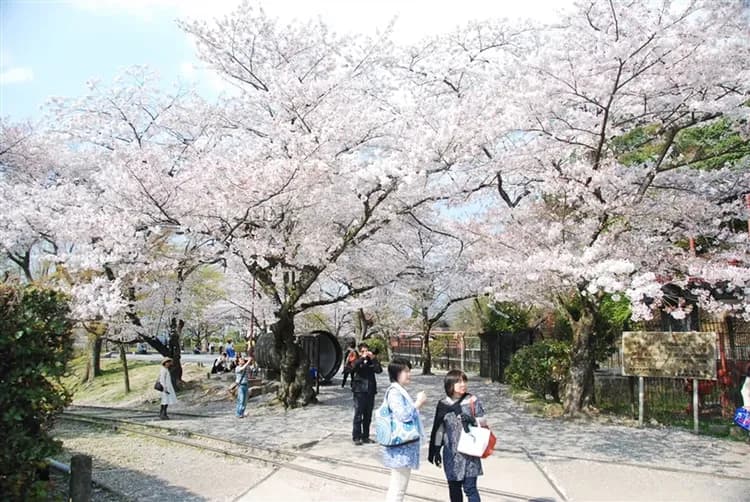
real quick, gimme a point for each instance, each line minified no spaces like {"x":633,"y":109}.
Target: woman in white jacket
{"x":168,"y":395}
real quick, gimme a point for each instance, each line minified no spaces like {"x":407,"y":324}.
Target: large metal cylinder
{"x":265,"y":352}
{"x":321,"y":347}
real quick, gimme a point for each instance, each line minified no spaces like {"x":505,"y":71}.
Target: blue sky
{"x":51,"y":48}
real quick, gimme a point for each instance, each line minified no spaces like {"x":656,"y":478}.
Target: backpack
{"x":392,"y":432}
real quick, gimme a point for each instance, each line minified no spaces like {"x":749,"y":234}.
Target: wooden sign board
{"x":690,"y":354}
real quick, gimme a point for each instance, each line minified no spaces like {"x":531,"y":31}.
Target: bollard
{"x":80,"y":478}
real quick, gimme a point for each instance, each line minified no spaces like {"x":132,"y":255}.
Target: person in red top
{"x":349,"y":357}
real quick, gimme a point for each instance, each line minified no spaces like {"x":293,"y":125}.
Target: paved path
{"x":536,"y":459}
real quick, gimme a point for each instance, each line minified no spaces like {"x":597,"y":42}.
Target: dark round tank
{"x":331,"y":355}
{"x":265,"y":354}
{"x":330,"y":352}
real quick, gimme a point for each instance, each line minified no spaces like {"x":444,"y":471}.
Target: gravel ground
{"x":151,"y":470}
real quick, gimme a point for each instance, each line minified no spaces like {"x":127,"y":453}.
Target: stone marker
{"x":80,"y":478}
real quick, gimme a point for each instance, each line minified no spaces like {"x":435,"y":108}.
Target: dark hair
{"x":452,"y":378}
{"x":396,"y":366}
{"x":747,"y":371}
{"x":363,"y":345}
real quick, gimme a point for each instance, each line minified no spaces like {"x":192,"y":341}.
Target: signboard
{"x":688,"y":354}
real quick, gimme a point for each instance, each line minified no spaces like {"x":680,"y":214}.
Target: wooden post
{"x":641,"y":396}
{"x":463,"y":351}
{"x":80,"y":478}
{"x":695,"y":405}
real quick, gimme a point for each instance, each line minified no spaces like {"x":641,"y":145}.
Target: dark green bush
{"x":379,"y":343}
{"x":36,"y":343}
{"x":540,"y":368}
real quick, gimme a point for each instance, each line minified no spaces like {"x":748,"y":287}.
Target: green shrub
{"x":36,"y":343}
{"x":381,"y":344}
{"x":540,"y":368}
{"x":438,"y":347}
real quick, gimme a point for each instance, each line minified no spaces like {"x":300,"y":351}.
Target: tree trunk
{"x":426,"y":352}
{"x":24,"y":263}
{"x":96,"y":356}
{"x":124,"y":362}
{"x":360,"y":325}
{"x":175,"y":351}
{"x":579,"y":388}
{"x":294,"y":368}
{"x":93,"y":364}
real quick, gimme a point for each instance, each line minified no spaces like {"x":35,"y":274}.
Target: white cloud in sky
{"x":16,"y":75}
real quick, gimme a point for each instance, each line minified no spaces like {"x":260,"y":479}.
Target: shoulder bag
{"x":392,"y":432}
{"x":478,"y":442}
{"x":742,"y":418}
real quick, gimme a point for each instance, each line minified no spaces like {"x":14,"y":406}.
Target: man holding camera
{"x":364,"y":388}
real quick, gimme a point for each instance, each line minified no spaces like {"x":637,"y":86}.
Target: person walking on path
{"x":455,"y":412}
{"x":364,"y":388}
{"x":403,"y":458}
{"x":168,"y":395}
{"x":241,"y":378}
{"x":349,"y":357}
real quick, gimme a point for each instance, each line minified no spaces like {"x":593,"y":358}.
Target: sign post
{"x":690,"y":355}
{"x":641,"y":396}
{"x":695,"y":405}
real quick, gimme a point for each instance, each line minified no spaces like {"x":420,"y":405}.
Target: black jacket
{"x":442,"y":410}
{"x":363,"y":375}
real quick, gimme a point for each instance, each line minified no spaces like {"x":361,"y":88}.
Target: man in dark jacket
{"x":364,"y":388}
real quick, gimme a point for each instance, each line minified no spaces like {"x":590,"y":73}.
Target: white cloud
{"x":16,"y":75}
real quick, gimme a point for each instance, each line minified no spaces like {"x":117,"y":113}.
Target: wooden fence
{"x":449,"y":349}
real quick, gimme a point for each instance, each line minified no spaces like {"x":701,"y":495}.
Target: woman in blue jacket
{"x":403,"y":458}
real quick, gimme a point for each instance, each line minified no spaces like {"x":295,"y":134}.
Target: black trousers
{"x":363,"y":405}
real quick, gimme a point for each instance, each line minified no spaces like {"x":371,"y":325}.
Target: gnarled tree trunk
{"x":294,"y":369}
{"x":579,"y":389}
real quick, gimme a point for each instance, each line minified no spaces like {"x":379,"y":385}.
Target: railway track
{"x":133,"y":420}
{"x":127,"y":421}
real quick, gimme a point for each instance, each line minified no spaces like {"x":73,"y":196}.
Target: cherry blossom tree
{"x":435,"y":276}
{"x":29,"y":174}
{"x":597,"y":184}
{"x":309,"y":169}
{"x":132,"y":147}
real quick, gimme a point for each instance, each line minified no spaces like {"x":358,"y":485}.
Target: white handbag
{"x":474,"y":442}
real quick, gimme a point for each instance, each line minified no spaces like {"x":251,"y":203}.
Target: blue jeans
{"x":241,"y":399}
{"x":470,"y":489}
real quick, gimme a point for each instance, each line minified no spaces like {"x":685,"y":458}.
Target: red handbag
{"x":492,"y":441}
